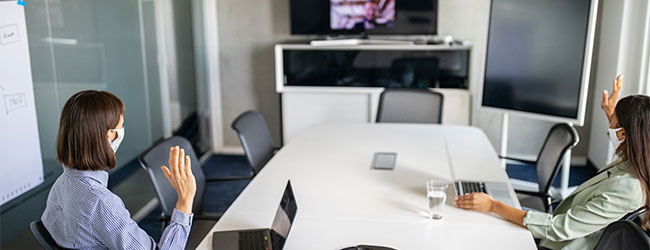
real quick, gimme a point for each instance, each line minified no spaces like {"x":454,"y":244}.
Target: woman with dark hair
{"x":81,"y":213}
{"x":618,"y":189}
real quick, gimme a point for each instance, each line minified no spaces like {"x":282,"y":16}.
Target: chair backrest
{"x":623,"y":235}
{"x":255,"y":139}
{"x":43,"y":236}
{"x":410,"y":106}
{"x":158,"y":155}
{"x":559,"y":140}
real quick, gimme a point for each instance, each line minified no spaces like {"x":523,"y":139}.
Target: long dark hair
{"x":633,"y":113}
{"x":86,"y":117}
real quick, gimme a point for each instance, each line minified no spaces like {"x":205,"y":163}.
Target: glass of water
{"x":437,"y":194}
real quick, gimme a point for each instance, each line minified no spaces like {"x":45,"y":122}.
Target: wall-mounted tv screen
{"x":385,"y":17}
{"x":538,"y":58}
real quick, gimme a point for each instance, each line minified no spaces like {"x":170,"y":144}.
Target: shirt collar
{"x":100,"y":176}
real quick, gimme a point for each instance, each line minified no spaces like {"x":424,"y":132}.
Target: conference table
{"x":343,"y":202}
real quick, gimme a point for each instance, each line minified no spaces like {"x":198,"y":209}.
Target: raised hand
{"x":608,"y":103}
{"x":181,"y":178}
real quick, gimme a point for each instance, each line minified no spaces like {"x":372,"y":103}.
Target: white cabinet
{"x":303,"y":107}
{"x":306,"y":106}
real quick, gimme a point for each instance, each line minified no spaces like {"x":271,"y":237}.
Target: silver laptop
{"x":498,"y":190}
{"x":264,"y":238}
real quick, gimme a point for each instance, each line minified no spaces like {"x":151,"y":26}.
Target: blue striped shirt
{"x":81,"y":213}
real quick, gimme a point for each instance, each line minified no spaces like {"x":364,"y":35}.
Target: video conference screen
{"x":535,"y":56}
{"x":364,"y":16}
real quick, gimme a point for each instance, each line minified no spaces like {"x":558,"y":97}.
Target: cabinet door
{"x":303,"y":110}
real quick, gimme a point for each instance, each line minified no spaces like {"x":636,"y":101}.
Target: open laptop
{"x":498,"y":190}
{"x":262,"y":239}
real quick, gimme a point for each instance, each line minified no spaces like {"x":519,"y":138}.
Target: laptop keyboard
{"x":252,"y":240}
{"x":473,"y":187}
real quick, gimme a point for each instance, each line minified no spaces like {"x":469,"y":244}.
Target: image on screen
{"x":325,"y":17}
{"x":361,"y":14}
{"x":535,"y":56}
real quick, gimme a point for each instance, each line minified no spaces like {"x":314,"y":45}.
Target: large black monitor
{"x":539,"y":58}
{"x":385,"y":17}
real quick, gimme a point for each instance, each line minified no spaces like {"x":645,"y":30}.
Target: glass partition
{"x":78,"y":45}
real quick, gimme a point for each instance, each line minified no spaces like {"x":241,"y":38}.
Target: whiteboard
{"x":21,"y":165}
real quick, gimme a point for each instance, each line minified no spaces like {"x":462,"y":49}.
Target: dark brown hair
{"x":633,"y":113}
{"x":86,"y":117}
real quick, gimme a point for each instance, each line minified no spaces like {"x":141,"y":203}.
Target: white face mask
{"x":613,"y":138}
{"x":120,"y":136}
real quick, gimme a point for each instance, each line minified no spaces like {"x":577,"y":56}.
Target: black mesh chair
{"x":559,"y":140}
{"x":410,"y":106}
{"x":158,"y":155}
{"x":623,"y":234}
{"x":255,"y":139}
{"x":43,"y":236}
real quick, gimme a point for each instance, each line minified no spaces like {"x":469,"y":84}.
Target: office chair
{"x":255,"y":139}
{"x":410,"y":106}
{"x":636,"y":215}
{"x":623,"y":234}
{"x":559,"y":140}
{"x":158,"y":155}
{"x":43,"y":236}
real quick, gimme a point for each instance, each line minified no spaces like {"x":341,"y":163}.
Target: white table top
{"x":343,"y":202}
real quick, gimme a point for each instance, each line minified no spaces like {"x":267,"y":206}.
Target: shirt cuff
{"x":538,"y":218}
{"x":181,"y":218}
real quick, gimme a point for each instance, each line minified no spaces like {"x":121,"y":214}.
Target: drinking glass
{"x":437,"y":194}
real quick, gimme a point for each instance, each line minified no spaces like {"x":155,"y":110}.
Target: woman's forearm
{"x":509,"y":213}
{"x":184,"y":205}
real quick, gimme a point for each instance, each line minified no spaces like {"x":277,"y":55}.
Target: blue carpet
{"x":218,"y":195}
{"x":527,"y":172}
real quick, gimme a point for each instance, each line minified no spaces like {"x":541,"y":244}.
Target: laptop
{"x":262,"y":239}
{"x":498,"y":190}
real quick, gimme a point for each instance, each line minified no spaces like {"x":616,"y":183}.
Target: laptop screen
{"x":283,"y":218}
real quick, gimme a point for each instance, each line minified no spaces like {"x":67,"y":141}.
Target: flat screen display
{"x":325,"y":17}
{"x":536,"y":55}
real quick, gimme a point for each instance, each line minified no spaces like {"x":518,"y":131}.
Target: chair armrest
{"x":532,"y":193}
{"x":164,"y":218}
{"x":208,"y":216}
{"x":205,"y":216}
{"x":228,"y":178}
{"x":519,"y":160}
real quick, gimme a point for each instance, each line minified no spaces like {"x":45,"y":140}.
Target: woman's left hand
{"x":608,"y":104}
{"x":480,"y":202}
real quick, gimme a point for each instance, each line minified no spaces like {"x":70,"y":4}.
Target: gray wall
{"x":248,"y":30}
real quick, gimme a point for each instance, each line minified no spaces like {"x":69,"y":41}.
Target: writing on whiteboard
{"x":15,"y":101}
{"x":9,"y":34}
